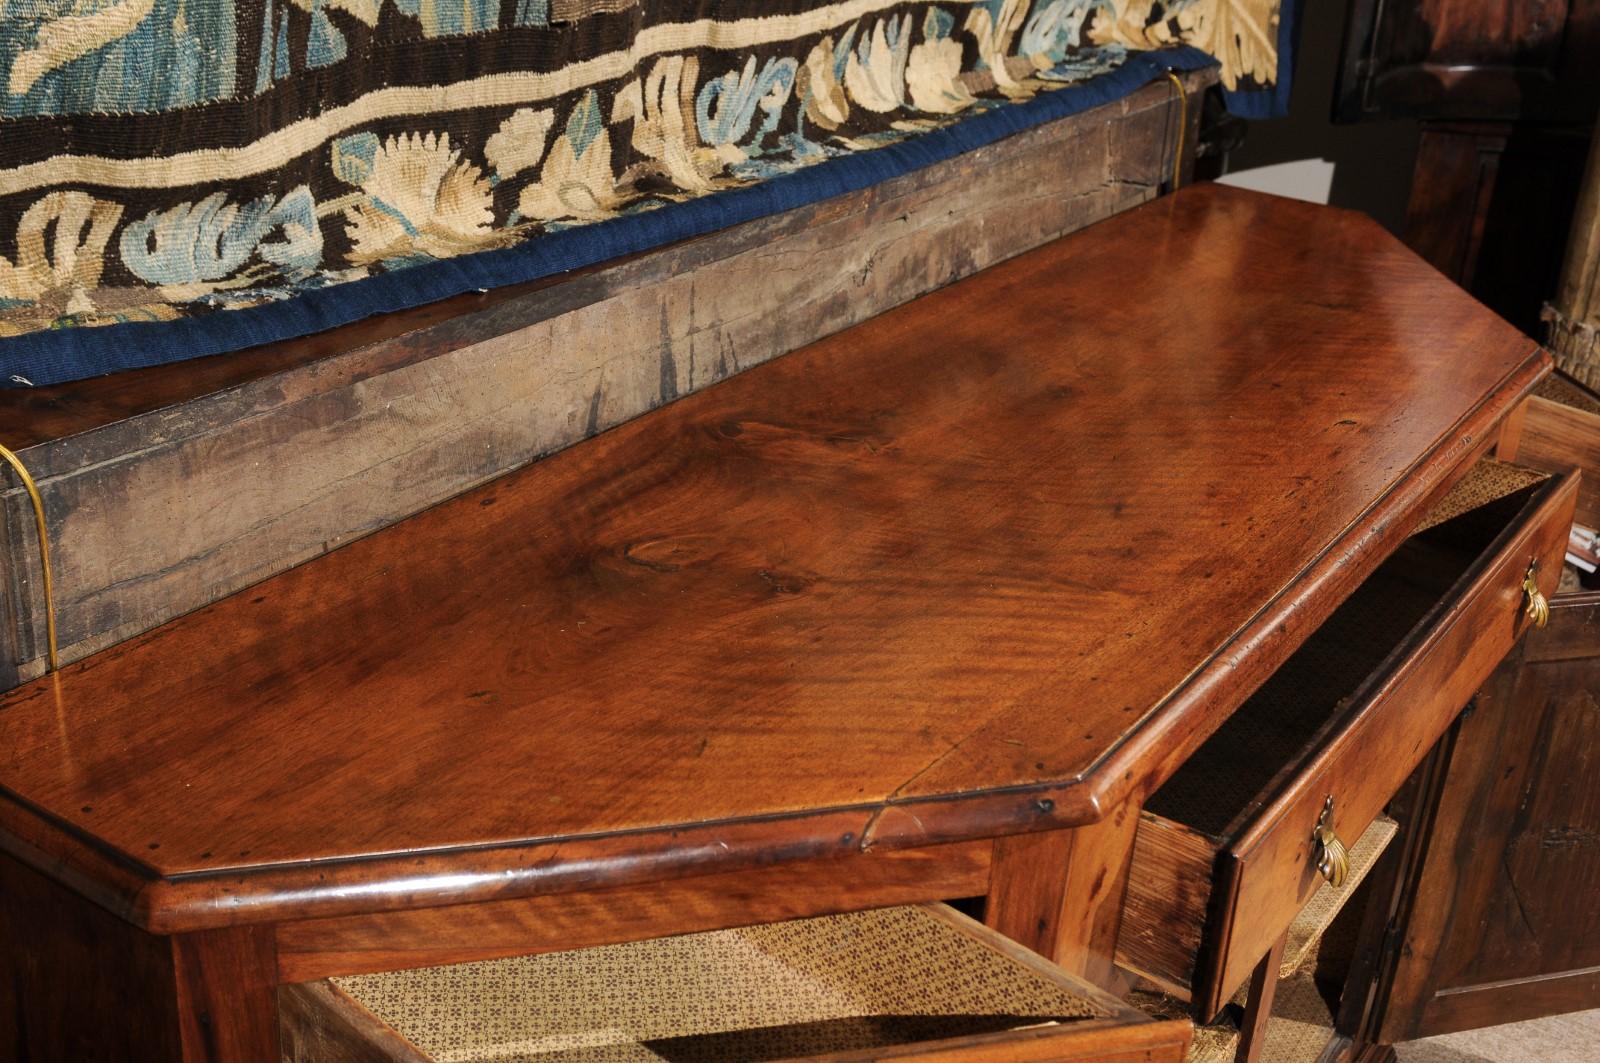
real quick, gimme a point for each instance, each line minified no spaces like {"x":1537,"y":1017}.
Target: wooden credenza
{"x":1121,"y":585}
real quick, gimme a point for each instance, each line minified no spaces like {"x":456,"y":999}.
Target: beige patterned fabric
{"x":1567,"y":393}
{"x":1302,"y":1021}
{"x":1212,"y":1043}
{"x":1242,"y":34}
{"x":1489,"y":481}
{"x":803,"y":986}
{"x":573,"y":10}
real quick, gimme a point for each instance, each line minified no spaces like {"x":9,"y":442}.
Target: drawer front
{"x":1269,"y":871}
{"x":898,"y":983}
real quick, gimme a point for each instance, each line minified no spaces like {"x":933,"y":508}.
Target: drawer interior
{"x":1559,"y":429}
{"x":1178,"y":929}
{"x":863,"y":981}
{"x":1560,"y":388}
{"x":1235,"y":773}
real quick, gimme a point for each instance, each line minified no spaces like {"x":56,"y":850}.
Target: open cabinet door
{"x":1505,"y":919}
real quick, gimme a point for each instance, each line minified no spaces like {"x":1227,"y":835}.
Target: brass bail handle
{"x":1332,"y":858}
{"x":1538,"y":607}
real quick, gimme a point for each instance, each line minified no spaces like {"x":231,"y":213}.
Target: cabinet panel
{"x":1505,"y":925}
{"x":1498,"y":60}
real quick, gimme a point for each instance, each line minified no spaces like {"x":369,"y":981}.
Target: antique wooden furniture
{"x":1507,"y":98}
{"x":933,"y":608}
{"x":1327,"y":740}
{"x":1482,"y":60}
{"x":1498,"y":921}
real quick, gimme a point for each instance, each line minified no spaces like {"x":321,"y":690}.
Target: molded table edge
{"x":432,"y":878}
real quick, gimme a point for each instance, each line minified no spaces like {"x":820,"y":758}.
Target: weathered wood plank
{"x":161,"y":511}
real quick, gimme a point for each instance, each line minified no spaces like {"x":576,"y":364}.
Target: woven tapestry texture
{"x":173,"y":161}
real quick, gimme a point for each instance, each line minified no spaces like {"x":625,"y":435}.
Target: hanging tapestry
{"x":183,"y":177}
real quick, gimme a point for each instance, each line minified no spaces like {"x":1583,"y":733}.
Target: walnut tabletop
{"x":986,"y":564}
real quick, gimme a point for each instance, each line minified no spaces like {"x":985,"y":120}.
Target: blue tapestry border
{"x":61,"y":355}
{"x":1256,"y":104}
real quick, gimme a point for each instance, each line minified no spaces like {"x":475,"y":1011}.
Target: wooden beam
{"x":165,"y":497}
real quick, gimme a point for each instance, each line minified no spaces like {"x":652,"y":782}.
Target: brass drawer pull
{"x":1538,"y":608}
{"x":1332,"y":858}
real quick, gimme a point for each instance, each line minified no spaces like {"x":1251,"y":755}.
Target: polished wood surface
{"x":1504,"y":925}
{"x":173,"y":487}
{"x":983,"y":565}
{"x":1558,"y":437}
{"x":321,"y":1024}
{"x":430,"y":937}
{"x":1205,"y":905}
{"x":1367,"y":759}
{"x":1258,"y":1011}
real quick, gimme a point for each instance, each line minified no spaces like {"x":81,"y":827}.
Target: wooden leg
{"x":1258,"y":1008}
{"x":1510,"y":439}
{"x":77,"y":983}
{"x":1060,"y":892}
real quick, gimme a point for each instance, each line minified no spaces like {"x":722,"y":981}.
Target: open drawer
{"x":1557,"y":429}
{"x":1231,"y":848}
{"x":921,"y":982}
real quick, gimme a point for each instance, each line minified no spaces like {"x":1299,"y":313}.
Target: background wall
{"x":1365,"y":167}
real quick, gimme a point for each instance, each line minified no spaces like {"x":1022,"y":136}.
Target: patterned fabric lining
{"x":1486,"y":482}
{"x":1568,"y":393}
{"x":168,"y":160}
{"x":794,"y":988}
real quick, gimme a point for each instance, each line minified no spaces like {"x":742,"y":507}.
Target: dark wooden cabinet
{"x":1504,"y":925}
{"x":1494,"y":916}
{"x":1490,"y":207}
{"x":1506,"y":93}
{"x":1491,"y":60}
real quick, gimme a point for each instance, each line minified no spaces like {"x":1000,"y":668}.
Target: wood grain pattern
{"x":1204,"y":906}
{"x":1263,"y":992}
{"x":169,"y":488}
{"x":1392,"y":891}
{"x":76,"y":984}
{"x":1558,"y":438}
{"x":1168,"y":899}
{"x":1366,"y":762}
{"x":1060,"y":893}
{"x":227,"y":994}
{"x":430,"y":937}
{"x":1504,"y":926}
{"x":321,"y":1024}
{"x":1164,"y":1042}
{"x":962,"y":571}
